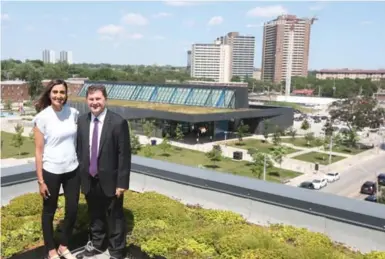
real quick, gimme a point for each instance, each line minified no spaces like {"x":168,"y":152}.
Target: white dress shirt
{"x":101,"y":119}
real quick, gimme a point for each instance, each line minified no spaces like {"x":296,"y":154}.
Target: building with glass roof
{"x":206,"y":112}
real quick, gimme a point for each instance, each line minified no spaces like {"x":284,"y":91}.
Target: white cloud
{"x":134,"y":19}
{"x":161,"y":15}
{"x":111,"y":30}
{"x":179,"y":3}
{"x":267,"y":11}
{"x":135,"y":36}
{"x":216,"y":20}
{"x":5,"y":17}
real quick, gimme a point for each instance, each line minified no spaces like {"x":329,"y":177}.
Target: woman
{"x":56,"y":163}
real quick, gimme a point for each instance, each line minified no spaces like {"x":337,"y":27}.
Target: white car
{"x":332,"y":177}
{"x":320,"y":183}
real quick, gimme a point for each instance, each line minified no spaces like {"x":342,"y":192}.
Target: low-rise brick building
{"x":17,"y":90}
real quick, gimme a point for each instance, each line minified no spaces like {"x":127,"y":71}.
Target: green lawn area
{"x":196,"y":158}
{"x":348,"y":150}
{"x":300,"y":142}
{"x":8,"y":151}
{"x":256,"y":143}
{"x":316,"y":157}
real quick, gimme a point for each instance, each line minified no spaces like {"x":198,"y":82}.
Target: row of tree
{"x":335,"y":88}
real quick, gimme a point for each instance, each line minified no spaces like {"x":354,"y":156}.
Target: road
{"x":352,"y":178}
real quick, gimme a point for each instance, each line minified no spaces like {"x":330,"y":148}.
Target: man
{"x":104,"y":153}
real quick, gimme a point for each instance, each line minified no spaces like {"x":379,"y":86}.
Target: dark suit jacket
{"x":114,"y":159}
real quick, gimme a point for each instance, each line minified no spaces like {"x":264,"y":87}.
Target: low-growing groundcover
{"x":166,"y":227}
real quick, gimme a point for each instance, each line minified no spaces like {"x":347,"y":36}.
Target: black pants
{"x":107,"y":220}
{"x":71,"y":187}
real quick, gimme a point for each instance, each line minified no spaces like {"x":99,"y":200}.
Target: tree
{"x":259,"y":159}
{"x":135,"y":143}
{"x":381,"y":196}
{"x":147,"y":151}
{"x":148,"y":128}
{"x":8,"y":105}
{"x":17,"y":138}
{"x":266,"y":127}
{"x":305,"y":125}
{"x":278,"y":154}
{"x":165,"y":145}
{"x":134,"y":140}
{"x":215,"y":154}
{"x":242,"y":130}
{"x":358,"y":112}
{"x":292,"y":132}
{"x":277,"y":136}
{"x":309,"y":137}
{"x":328,"y":128}
{"x":34,"y":80}
{"x":179,"y":136}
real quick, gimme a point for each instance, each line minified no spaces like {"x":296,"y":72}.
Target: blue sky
{"x":347,"y":34}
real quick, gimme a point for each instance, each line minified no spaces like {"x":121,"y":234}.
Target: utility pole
{"x":264,"y":167}
{"x":330,"y":148}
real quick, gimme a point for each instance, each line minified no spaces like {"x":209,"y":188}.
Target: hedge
{"x":165,"y":227}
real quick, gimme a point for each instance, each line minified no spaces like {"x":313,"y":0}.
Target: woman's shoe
{"x":66,"y":254}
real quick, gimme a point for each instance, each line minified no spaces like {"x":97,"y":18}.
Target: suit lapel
{"x":105,"y":129}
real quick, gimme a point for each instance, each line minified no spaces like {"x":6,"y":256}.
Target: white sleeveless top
{"x":59,"y":130}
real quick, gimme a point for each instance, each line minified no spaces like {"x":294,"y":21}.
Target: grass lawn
{"x":300,"y":142}
{"x":196,"y":158}
{"x":8,"y":151}
{"x":256,"y":143}
{"x":348,"y":150}
{"x":320,"y":158}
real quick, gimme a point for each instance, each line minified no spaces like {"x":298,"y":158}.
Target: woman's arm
{"x":39,"y":147}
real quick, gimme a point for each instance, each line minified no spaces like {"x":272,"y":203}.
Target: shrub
{"x":165,"y":227}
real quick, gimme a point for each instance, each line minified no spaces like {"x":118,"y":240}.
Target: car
{"x":332,"y":177}
{"x":320,"y":183}
{"x":307,"y":185}
{"x":369,"y":188}
{"x":371,"y":198}
{"x":381,"y":179}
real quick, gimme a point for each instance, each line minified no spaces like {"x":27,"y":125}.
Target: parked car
{"x":381,"y":179}
{"x":332,"y":177}
{"x":369,"y":188}
{"x":320,"y":183}
{"x":307,"y":185}
{"x":371,"y":198}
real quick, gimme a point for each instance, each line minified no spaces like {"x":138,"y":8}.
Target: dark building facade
{"x":217,"y":125}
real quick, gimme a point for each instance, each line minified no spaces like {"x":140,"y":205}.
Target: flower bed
{"x":165,"y":227}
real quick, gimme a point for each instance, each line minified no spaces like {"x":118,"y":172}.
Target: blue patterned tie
{"x":93,"y":169}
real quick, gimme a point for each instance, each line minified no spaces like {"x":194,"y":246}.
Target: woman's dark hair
{"x":44,"y":100}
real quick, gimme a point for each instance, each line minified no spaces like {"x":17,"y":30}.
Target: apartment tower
{"x":211,"y":61}
{"x":49,"y":56}
{"x":66,"y":57}
{"x":278,"y":41}
{"x":243,"y":50}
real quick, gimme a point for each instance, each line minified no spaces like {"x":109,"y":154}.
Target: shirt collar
{"x":101,"y":116}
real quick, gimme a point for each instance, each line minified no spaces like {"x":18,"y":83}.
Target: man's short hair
{"x":94,"y":88}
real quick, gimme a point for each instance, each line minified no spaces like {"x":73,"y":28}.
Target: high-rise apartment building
{"x":66,"y":57}
{"x":243,"y":51}
{"x":278,"y":42}
{"x":49,"y":56}
{"x":211,"y":61}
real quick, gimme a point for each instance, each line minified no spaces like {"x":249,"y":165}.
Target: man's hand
{"x":119,"y":192}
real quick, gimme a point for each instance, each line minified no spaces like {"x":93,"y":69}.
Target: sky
{"x":346,"y":35}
